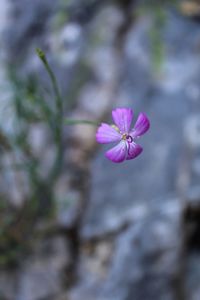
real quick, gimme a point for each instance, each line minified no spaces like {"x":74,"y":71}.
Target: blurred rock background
{"x":73,"y":225}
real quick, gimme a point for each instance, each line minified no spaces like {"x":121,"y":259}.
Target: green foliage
{"x":157,"y":9}
{"x":83,"y":122}
{"x":155,"y":34}
{"x":17,"y":227}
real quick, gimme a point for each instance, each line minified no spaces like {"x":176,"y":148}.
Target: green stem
{"x":58,"y":117}
{"x":42,"y":56}
{"x":84,"y":122}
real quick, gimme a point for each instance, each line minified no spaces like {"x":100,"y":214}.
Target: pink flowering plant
{"x":121,"y":132}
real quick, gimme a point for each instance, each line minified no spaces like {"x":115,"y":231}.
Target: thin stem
{"x":58,"y":117}
{"x":59,"y":105}
{"x":84,"y":122}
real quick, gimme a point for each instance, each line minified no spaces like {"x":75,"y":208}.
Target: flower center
{"x":127,"y":138}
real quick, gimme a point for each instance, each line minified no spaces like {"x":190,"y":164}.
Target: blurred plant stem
{"x":156,"y":38}
{"x":83,"y":122}
{"x":58,"y":118}
{"x":157,"y":10}
{"x":59,"y":102}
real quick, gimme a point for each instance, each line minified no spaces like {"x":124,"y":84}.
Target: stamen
{"x":124,"y":136}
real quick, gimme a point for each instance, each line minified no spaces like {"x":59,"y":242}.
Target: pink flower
{"x":120,"y":132}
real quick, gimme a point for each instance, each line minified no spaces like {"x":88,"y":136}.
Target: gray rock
{"x":82,"y":10}
{"x":28,"y":20}
{"x":68,"y":202}
{"x":68,"y":42}
{"x":146,"y":263}
{"x":192,"y":290}
{"x":40,"y":276}
{"x":7,"y":285}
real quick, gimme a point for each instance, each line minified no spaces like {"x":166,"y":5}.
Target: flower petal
{"x":123,"y":118}
{"x":133,"y":151}
{"x":107,"y":134}
{"x":118,"y":153}
{"x":141,"y":126}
